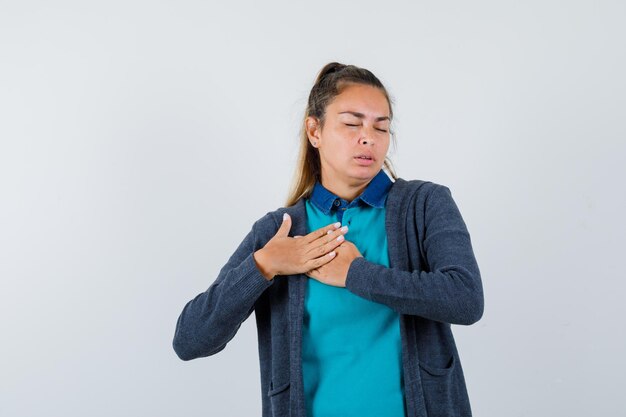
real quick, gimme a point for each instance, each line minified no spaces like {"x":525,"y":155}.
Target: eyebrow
{"x":361,"y":115}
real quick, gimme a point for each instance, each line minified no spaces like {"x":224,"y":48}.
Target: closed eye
{"x":380,"y":130}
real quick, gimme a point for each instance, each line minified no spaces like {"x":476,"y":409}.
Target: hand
{"x":284,"y":255}
{"x":335,"y":272}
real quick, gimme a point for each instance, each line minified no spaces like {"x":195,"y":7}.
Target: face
{"x":355,"y":138}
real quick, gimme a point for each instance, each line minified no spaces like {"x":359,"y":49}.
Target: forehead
{"x":360,"y":98}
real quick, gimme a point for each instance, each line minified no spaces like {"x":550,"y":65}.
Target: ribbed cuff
{"x":252,"y":282}
{"x":357,"y":279}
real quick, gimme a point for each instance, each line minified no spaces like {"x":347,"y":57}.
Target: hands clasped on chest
{"x":324,"y":254}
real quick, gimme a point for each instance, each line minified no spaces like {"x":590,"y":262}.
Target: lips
{"x":364,"y":160}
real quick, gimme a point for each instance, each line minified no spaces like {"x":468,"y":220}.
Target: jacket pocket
{"x":279,"y":398}
{"x":438,"y":387}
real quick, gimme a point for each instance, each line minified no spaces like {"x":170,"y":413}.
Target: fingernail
{"x":285,"y":215}
{"x":337,"y":225}
{"x":340,"y":238}
{"x":344,"y":229}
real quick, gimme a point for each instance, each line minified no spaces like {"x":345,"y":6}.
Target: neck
{"x":342,"y":189}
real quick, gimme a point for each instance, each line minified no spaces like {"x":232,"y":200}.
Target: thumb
{"x":283,"y":230}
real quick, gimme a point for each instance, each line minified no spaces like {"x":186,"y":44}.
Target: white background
{"x":140,"y":140}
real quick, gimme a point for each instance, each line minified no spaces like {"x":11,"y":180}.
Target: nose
{"x":367,"y":137}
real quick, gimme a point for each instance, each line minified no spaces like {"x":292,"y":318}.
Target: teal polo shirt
{"x":351,"y":347}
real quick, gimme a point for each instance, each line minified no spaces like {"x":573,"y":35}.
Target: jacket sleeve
{"x":210,"y":320}
{"x":451,"y":291}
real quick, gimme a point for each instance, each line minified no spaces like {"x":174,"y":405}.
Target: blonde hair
{"x":331,"y":80}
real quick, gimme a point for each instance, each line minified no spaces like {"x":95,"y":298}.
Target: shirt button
{"x":337,"y":203}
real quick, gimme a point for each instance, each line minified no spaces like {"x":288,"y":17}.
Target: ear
{"x":311,"y":125}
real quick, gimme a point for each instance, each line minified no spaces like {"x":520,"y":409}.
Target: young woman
{"x":352,"y":320}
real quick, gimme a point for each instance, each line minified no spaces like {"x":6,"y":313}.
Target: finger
{"x":322,"y":260}
{"x":283,"y":230}
{"x":329,"y":236}
{"x":327,"y":243}
{"x":321,"y":232}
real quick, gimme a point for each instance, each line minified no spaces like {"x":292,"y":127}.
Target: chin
{"x":365,"y":173}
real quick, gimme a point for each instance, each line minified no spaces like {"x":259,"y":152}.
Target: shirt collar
{"x":374,"y":195}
